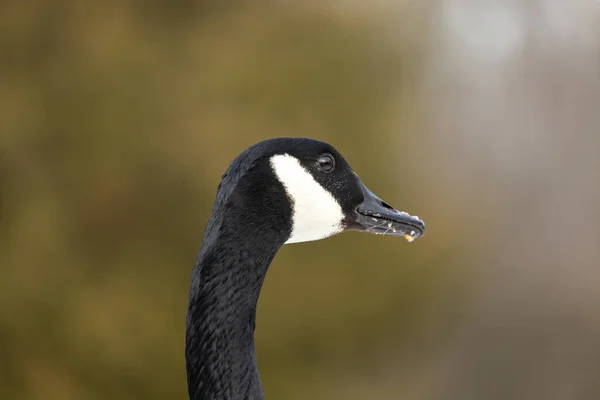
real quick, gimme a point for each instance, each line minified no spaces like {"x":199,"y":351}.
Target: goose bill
{"x":376,"y":216}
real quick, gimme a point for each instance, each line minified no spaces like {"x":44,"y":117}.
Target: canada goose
{"x":278,"y":191}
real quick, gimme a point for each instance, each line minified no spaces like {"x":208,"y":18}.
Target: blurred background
{"x":117,"y":119}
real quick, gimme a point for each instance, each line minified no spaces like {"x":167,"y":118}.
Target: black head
{"x":323,"y":195}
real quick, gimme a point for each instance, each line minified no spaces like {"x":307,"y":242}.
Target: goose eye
{"x":326,"y":163}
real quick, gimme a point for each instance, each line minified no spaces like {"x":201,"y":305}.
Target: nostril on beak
{"x":386,"y":205}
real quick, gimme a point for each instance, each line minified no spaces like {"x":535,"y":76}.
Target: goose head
{"x":309,"y":183}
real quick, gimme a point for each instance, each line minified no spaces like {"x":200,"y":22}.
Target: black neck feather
{"x":244,"y":233}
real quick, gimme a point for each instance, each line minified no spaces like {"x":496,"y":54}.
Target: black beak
{"x":376,"y":216}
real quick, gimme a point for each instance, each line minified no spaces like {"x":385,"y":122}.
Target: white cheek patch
{"x":316,"y":213}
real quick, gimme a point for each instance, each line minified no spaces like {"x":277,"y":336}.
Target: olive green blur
{"x":117,"y":120}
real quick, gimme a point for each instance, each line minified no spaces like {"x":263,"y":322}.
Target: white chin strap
{"x":315,"y":212}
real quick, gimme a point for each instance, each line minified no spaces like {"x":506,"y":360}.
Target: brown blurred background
{"x":117,"y":119}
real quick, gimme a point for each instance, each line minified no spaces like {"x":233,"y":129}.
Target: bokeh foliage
{"x":116,"y":122}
